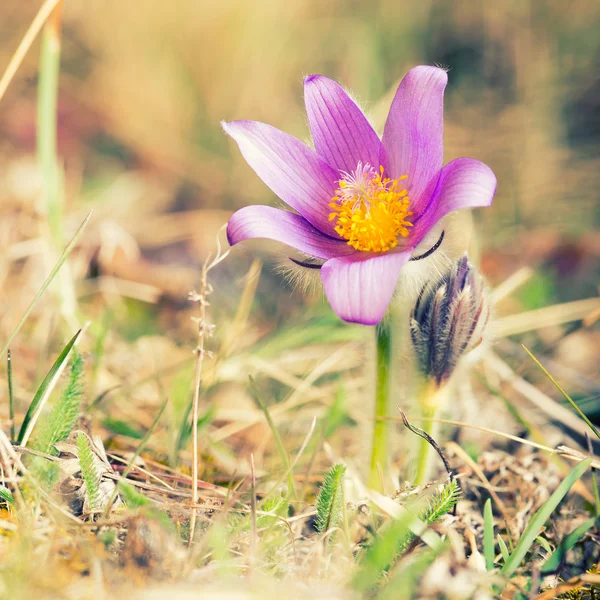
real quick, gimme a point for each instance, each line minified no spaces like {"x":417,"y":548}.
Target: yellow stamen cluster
{"x":370,"y":210}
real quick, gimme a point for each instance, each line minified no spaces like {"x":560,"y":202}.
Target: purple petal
{"x":463,"y":183}
{"x":281,"y":226}
{"x":413,"y":132}
{"x":342,"y":134}
{"x":290,"y":168}
{"x":359,"y":288}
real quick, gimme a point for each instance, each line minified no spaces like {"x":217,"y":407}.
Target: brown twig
{"x":422,"y":433}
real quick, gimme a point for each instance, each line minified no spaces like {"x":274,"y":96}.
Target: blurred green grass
{"x":144,"y":86}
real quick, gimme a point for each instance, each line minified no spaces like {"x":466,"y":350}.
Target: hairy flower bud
{"x":448,"y":320}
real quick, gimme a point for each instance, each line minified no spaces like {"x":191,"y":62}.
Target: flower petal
{"x":359,"y":288}
{"x":463,"y":183}
{"x":413,"y":132}
{"x":290,"y":168}
{"x":342,"y":134}
{"x":286,"y":227}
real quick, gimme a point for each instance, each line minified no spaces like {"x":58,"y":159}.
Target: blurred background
{"x":143,"y":88}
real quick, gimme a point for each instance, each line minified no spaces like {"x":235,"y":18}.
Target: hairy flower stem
{"x":379,"y":448}
{"x":431,"y":400}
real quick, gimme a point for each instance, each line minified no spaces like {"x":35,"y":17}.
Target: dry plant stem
{"x":379,"y":447}
{"x":11,"y":399}
{"x":202,"y":330}
{"x":253,"y":509}
{"x":28,"y":38}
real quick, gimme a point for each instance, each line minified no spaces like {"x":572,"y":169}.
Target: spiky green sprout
{"x":89,"y":471}
{"x":330,"y":503}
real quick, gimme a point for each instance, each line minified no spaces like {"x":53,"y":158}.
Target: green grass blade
{"x":378,"y":557}
{"x":544,"y":544}
{"x":124,"y":428}
{"x":11,"y":398}
{"x":556,"y":558}
{"x":6,"y":496}
{"x":403,"y":583}
{"x":47,"y":105}
{"x":63,"y":417}
{"x":131,"y":496}
{"x":55,"y":270}
{"x":138,"y":451}
{"x":488,"y":535}
{"x":503,"y":549}
{"x":45,"y":389}
{"x":285,"y":459}
{"x":567,"y":397}
{"x":541,"y":516}
{"x":596,"y":494}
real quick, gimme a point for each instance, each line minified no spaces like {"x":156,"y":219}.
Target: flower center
{"x":370,"y":211}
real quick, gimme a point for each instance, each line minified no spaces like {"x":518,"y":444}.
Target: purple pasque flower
{"x":362,"y":203}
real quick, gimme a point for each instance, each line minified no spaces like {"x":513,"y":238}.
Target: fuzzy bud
{"x":448,"y":320}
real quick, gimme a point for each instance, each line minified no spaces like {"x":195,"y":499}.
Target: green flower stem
{"x":379,"y":448}
{"x":47,"y":122}
{"x":430,"y":399}
{"x":47,"y":153}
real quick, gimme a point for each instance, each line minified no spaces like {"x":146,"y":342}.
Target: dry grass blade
{"x":276,"y":436}
{"x":16,"y":460}
{"x":535,"y":395}
{"x":290,"y":471}
{"x":546,"y":317}
{"x":490,"y":488}
{"x":30,"y":35}
{"x":541,"y":517}
{"x":567,"y":397}
{"x":11,"y":398}
{"x":303,"y":390}
{"x":55,"y":270}
{"x":565,"y":451}
{"x":568,"y":586}
{"x":509,"y":285}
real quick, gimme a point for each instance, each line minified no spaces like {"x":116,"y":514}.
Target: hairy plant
{"x":330,"y":502}
{"x":131,"y":497}
{"x":62,"y":419}
{"x":89,"y":471}
{"x":439,"y":505}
